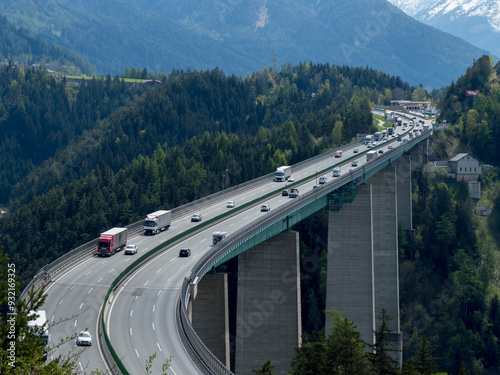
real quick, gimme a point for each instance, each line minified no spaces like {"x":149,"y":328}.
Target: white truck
{"x":282,"y":173}
{"x":371,"y":155}
{"x":157,"y":221}
{"x":39,"y":327}
{"x":369,"y":139}
{"x":218,"y":237}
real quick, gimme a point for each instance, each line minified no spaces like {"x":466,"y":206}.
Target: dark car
{"x":284,"y":193}
{"x":184,"y":252}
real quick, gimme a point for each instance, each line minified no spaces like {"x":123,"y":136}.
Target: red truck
{"x":112,"y":241}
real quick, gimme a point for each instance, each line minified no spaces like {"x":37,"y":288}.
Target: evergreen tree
{"x":345,"y":350}
{"x":384,"y":348}
{"x":265,"y":369}
{"x":426,"y":363}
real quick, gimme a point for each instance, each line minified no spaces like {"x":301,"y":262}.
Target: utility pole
{"x":274,"y":62}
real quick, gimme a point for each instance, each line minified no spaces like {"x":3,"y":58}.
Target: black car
{"x":284,"y":193}
{"x":184,"y":252}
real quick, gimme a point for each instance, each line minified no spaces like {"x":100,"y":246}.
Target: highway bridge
{"x":157,"y":302}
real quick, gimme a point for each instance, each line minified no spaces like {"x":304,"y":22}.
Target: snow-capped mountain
{"x":476,"y":21}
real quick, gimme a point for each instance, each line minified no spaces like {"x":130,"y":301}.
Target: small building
{"x":482,"y":210}
{"x":408,"y":105}
{"x":464,"y":167}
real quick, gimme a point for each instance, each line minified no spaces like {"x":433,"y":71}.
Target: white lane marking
{"x":61,"y":301}
{"x":172,"y":259}
{"x":231,"y":224}
{"x":81,"y":305}
{"x":158,"y":270}
{"x":53,"y":317}
{"x":126,"y":260}
{"x":90,"y":290}
{"x":159,"y":292}
{"x":100,"y":279}
{"x":159,"y":347}
{"x":130,"y":331}
{"x":154,"y":306}
{"x":146,"y":283}
{"x":131,"y":313}
{"x":88,"y":273}
{"x":111,"y":270}
{"x":246,"y":217}
{"x":153,"y":326}
{"x":136,"y":352}
{"x":136,"y":297}
{"x":203,"y":240}
{"x":170,"y":278}
{"x":81,"y":366}
{"x":182,"y":266}
{"x":173,"y":371}
{"x":72,"y":286}
{"x":103,"y":262}
{"x":75,"y":322}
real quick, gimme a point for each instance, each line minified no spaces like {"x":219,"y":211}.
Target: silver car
{"x":131,"y":249}
{"x":84,"y":338}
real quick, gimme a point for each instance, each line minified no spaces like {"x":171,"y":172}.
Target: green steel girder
{"x":345,"y":194}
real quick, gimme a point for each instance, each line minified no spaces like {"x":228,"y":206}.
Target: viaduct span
{"x":366,"y":205}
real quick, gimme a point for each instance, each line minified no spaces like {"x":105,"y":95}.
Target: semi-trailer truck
{"x":282,"y":173}
{"x":112,"y":241}
{"x":157,"y":221}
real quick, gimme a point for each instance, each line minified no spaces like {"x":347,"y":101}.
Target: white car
{"x":84,"y":338}
{"x":265,"y":208}
{"x":355,"y":151}
{"x":131,"y":249}
{"x":322,"y":180}
{"x":354,"y":163}
{"x":230,"y":204}
{"x":291,"y":179}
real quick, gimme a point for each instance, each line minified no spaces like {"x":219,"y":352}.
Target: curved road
{"x":143,"y":312}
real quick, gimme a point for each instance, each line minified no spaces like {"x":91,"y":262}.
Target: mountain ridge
{"x":476,"y":21}
{"x":242,"y":37}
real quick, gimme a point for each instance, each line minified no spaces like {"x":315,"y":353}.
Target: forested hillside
{"x":39,"y":115}
{"x":21,"y":47}
{"x":172,"y":143}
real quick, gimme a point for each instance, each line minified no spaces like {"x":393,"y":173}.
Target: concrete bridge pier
{"x":210,"y":315}
{"x":268,"y":325}
{"x":363,"y":276}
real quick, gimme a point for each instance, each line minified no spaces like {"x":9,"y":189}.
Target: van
{"x":336,"y":172}
{"x":322,"y":180}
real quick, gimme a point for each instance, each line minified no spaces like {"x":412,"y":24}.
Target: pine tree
{"x":382,"y":361}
